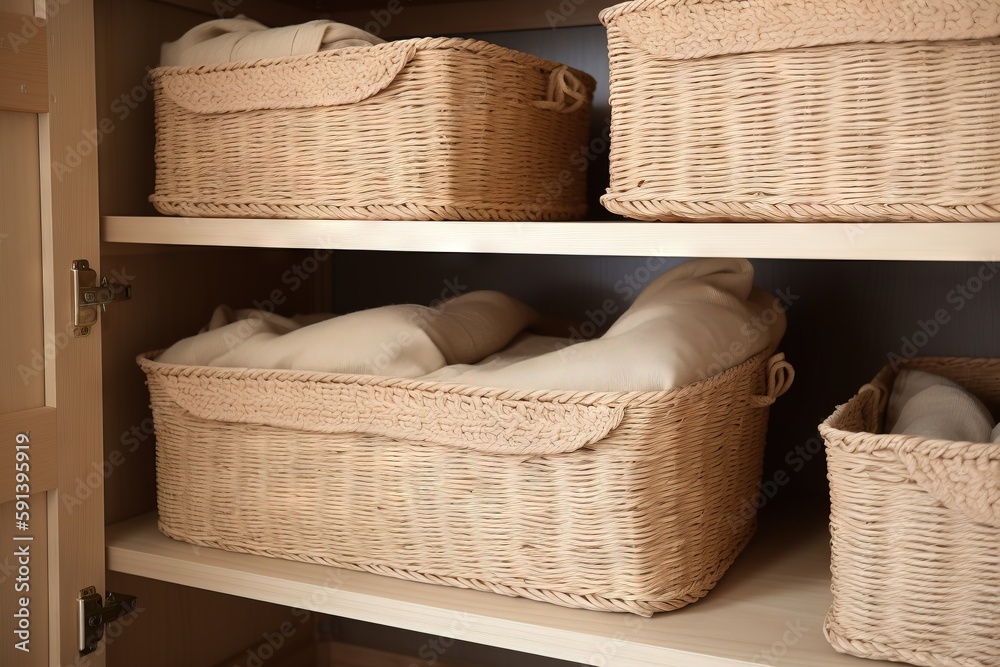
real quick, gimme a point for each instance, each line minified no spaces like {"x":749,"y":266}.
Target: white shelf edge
{"x":778,"y":584}
{"x":887,"y":241}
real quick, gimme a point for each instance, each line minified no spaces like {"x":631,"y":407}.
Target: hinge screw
{"x":94,"y":621}
{"x":84,"y":331}
{"x":88,"y":296}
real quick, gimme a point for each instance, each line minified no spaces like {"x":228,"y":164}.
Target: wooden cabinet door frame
{"x":68,"y":215}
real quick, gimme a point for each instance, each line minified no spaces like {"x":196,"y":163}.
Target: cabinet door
{"x":51,"y":501}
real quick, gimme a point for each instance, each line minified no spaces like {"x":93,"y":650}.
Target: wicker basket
{"x":420,"y":129}
{"x":631,"y":502}
{"x":916,"y":531}
{"x":818,"y":110}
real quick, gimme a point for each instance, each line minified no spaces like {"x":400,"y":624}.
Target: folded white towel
{"x":689,"y":324}
{"x":934,"y":407}
{"x":398,"y":341}
{"x":242,"y":39}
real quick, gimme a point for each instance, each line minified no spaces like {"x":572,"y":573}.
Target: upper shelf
{"x":767,"y":610}
{"x":888,"y":241}
{"x":391,"y":19}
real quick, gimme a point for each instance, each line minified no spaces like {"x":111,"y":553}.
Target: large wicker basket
{"x":816,"y":110}
{"x":420,"y":129}
{"x":916,"y":531}
{"x":631,"y":502}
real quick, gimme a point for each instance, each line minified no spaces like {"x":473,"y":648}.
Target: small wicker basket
{"x":816,"y":110}
{"x":419,"y":129}
{"x":630,"y":502}
{"x":916,"y":531}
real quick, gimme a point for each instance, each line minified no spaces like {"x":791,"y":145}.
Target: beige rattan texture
{"x":916,"y":532}
{"x":621,"y":502}
{"x":422,"y":129}
{"x":853,"y":131}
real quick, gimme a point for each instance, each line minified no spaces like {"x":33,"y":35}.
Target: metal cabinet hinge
{"x":95,"y":613}
{"x":88,"y":296}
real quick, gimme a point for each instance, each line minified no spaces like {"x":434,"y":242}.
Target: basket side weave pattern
{"x":915,"y":532}
{"x":433,"y":129}
{"x":646,"y":519}
{"x":780,"y":130}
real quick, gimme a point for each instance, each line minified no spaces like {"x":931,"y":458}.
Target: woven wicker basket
{"x":841,"y":110}
{"x":420,"y":129}
{"x":916,"y":531}
{"x":631,"y":502}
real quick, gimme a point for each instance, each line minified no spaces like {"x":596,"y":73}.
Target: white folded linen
{"x":242,"y":39}
{"x":694,"y":321}
{"x":398,"y":341}
{"x":934,"y":407}
{"x":524,"y":347}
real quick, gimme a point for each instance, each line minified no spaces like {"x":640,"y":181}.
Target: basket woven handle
{"x":876,"y":397}
{"x":419,"y":412}
{"x":780,"y":376}
{"x":963,"y":478}
{"x":325,"y":79}
{"x":566,"y":92}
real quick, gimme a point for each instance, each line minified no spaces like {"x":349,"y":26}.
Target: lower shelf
{"x":767,"y":610}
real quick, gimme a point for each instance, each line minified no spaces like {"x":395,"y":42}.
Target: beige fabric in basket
{"x":915,"y":527}
{"x":232,"y":40}
{"x":695,"y":320}
{"x":682,"y":29}
{"x":936,"y":408}
{"x":400,"y":340}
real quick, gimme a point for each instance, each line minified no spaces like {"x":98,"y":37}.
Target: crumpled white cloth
{"x":242,"y":39}
{"x":398,"y":341}
{"x":932,"y":406}
{"x":694,"y":321}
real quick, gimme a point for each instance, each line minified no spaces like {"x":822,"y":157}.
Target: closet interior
{"x":855,"y":293}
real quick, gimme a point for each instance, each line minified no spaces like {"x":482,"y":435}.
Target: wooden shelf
{"x":890,"y":241}
{"x":773,"y":598}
